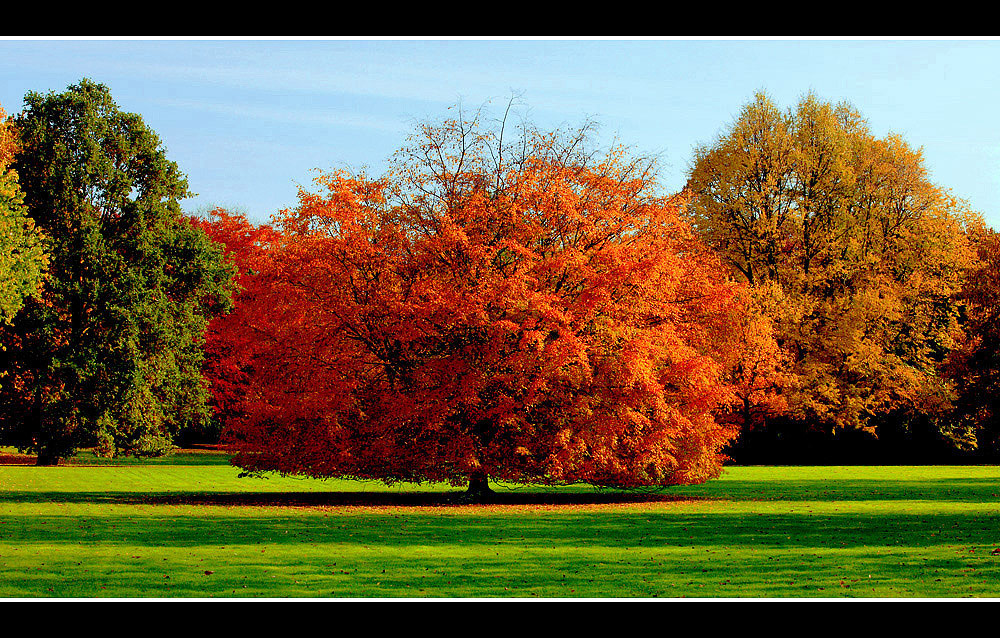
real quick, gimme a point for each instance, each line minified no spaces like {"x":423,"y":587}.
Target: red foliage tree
{"x":525,"y":312}
{"x":232,"y":340}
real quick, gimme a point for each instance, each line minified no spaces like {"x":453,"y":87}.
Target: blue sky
{"x":249,"y":120}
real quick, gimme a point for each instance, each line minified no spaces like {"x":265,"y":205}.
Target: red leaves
{"x":232,"y":340}
{"x":538,"y":320}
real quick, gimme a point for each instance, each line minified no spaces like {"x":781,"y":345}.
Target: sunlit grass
{"x":187,"y":526}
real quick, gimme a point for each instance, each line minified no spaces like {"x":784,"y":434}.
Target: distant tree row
{"x":504,"y":303}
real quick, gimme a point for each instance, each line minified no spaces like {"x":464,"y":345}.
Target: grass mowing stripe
{"x":194,"y":529}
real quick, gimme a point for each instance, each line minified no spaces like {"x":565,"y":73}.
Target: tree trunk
{"x":479,"y":489}
{"x":46,"y":460}
{"x":44,"y":456}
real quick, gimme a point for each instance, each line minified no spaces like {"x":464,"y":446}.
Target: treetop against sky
{"x":248,"y":121}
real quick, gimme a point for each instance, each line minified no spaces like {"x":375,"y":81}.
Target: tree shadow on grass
{"x":590,"y":529}
{"x":969,"y":490}
{"x":342,"y":499}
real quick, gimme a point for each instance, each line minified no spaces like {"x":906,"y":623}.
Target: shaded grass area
{"x":187,"y":529}
{"x":203,"y":455}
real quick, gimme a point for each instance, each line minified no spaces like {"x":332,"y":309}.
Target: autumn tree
{"x":492,"y":309}
{"x":232,"y":340}
{"x":975,"y":363}
{"x":108,"y":354}
{"x":22,"y":256}
{"x":860,"y":255}
{"x":759,"y":373}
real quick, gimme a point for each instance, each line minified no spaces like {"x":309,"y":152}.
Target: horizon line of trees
{"x":504,"y":303}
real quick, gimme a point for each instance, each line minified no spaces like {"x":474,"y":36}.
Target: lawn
{"x":188,"y":526}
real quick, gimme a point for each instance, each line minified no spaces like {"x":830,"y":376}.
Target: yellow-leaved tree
{"x":860,"y":256}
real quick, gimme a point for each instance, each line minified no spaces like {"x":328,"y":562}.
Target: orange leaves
{"x":232,"y":340}
{"x":8,"y":141}
{"x":530,"y":310}
{"x":975,"y":361}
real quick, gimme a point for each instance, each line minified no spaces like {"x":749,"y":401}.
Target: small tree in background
{"x":522,"y":310}
{"x":109,"y":352}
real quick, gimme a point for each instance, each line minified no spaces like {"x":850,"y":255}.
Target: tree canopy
{"x":502,"y":303}
{"x":519,"y":310}
{"x":109,"y":352}
{"x":22,"y":256}
{"x":231,"y":342}
{"x":861,"y":255}
{"x":975,"y":363}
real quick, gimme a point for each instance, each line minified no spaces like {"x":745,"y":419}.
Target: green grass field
{"x":187,"y":526}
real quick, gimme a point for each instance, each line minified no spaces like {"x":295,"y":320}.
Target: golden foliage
{"x":862,"y":253}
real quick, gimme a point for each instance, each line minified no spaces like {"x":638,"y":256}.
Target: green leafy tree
{"x":109,"y":353}
{"x":22,"y":258}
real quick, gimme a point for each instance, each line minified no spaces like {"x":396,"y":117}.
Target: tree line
{"x":503,"y":303}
